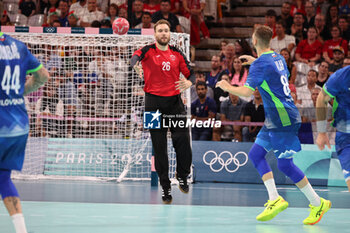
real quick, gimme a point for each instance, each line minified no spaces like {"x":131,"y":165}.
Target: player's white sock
{"x":18,"y":222}
{"x":311,"y":195}
{"x":271,"y":189}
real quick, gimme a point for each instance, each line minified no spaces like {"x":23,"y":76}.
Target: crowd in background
{"x":312,"y":36}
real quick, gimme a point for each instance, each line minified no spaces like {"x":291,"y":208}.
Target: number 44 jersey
{"x":269,"y":73}
{"x":15,"y":63}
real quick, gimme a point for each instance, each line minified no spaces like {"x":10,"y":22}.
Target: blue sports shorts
{"x":283,"y":141}
{"x":342,"y":146}
{"x":12,"y":152}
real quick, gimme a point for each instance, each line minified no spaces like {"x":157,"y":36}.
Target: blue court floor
{"x":91,"y":207}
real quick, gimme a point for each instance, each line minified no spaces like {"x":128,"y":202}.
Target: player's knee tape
{"x":7,"y":188}
{"x":288,"y":167}
{"x":257,"y":156}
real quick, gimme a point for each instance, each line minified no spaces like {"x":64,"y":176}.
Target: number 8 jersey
{"x":269,"y":74}
{"x":15,"y":63}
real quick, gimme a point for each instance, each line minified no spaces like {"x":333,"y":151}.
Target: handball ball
{"x":120,"y":26}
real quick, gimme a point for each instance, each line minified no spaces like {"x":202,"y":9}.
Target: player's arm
{"x":321,"y":116}
{"x":36,"y":81}
{"x":185,"y":69}
{"x":239,"y":91}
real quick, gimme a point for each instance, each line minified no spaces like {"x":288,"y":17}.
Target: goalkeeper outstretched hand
{"x":138,"y":69}
{"x":183,"y":84}
{"x":247,"y":59}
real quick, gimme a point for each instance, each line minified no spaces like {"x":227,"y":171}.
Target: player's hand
{"x":322,"y":140}
{"x":138,"y":69}
{"x":183,"y":84}
{"x":248,"y":59}
{"x":224,"y":85}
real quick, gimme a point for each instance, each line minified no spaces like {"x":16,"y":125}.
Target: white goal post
{"x":86,"y":122}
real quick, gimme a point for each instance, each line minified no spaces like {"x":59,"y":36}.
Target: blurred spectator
{"x":213,"y":75}
{"x":238,"y":73}
{"x":5,"y":19}
{"x":1,"y":9}
{"x":270,"y":20}
{"x":309,"y":50}
{"x":164,"y":13}
{"x":202,"y":109}
{"x":310,"y":14}
{"x":309,"y":114}
{"x":304,"y":92}
{"x":123,"y":13}
{"x":345,"y":9}
{"x":323,"y":73}
{"x":297,"y":6}
{"x":102,"y":5}
{"x":56,"y":24}
{"x":72,"y":19}
{"x":285,"y":15}
{"x":52,"y":16}
{"x":253,"y":112}
{"x":63,"y":7}
{"x":90,"y":14}
{"x":175,"y":7}
{"x":105,"y":23}
{"x":80,"y":5}
{"x":282,"y":40}
{"x":152,"y":6}
{"x":146,"y":21}
{"x":223,"y":44}
{"x":344,"y":27}
{"x":242,"y":48}
{"x":229,"y":53}
{"x":112,"y":13}
{"x":27,"y":8}
{"x":194,"y":11}
{"x":346,"y":62}
{"x":49,"y":107}
{"x":291,"y":67}
{"x":322,"y":7}
{"x":52,"y":4}
{"x":323,"y":32}
{"x":297,"y":29}
{"x":231,"y":110}
{"x":332,"y":15}
{"x":67,"y":92}
{"x":338,"y":58}
{"x":335,"y":41}
{"x":200,"y":77}
{"x":220,"y":95}
{"x":136,"y":16}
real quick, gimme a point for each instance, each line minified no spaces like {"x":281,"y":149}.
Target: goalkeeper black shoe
{"x":166,"y":195}
{"x":183,"y":186}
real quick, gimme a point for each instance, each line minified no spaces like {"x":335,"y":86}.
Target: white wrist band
{"x":321,"y":126}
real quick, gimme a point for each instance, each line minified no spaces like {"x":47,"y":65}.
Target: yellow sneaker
{"x":272,"y":209}
{"x":317,"y":212}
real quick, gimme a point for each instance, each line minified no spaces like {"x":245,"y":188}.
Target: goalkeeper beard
{"x":163,"y":40}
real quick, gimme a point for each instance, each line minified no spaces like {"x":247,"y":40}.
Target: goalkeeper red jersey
{"x":161,"y":69}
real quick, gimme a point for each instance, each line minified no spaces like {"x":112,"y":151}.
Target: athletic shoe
{"x":166,"y":196}
{"x":317,"y":212}
{"x":272,"y":209}
{"x":183,"y":186}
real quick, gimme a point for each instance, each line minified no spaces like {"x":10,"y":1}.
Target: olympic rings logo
{"x":231,"y":160}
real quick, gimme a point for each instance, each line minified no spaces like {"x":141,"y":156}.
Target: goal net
{"x":87,"y":121}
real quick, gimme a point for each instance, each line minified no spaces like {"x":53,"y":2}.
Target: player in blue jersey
{"x":269,"y":73}
{"x":338,"y":88}
{"x":15,"y":63}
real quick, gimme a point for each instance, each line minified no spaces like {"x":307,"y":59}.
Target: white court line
{"x":69,"y":216}
{"x":160,"y":217}
{"x":37,"y":215}
{"x":98,"y":216}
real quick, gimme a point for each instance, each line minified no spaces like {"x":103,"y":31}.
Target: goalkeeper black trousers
{"x":173,"y":113}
